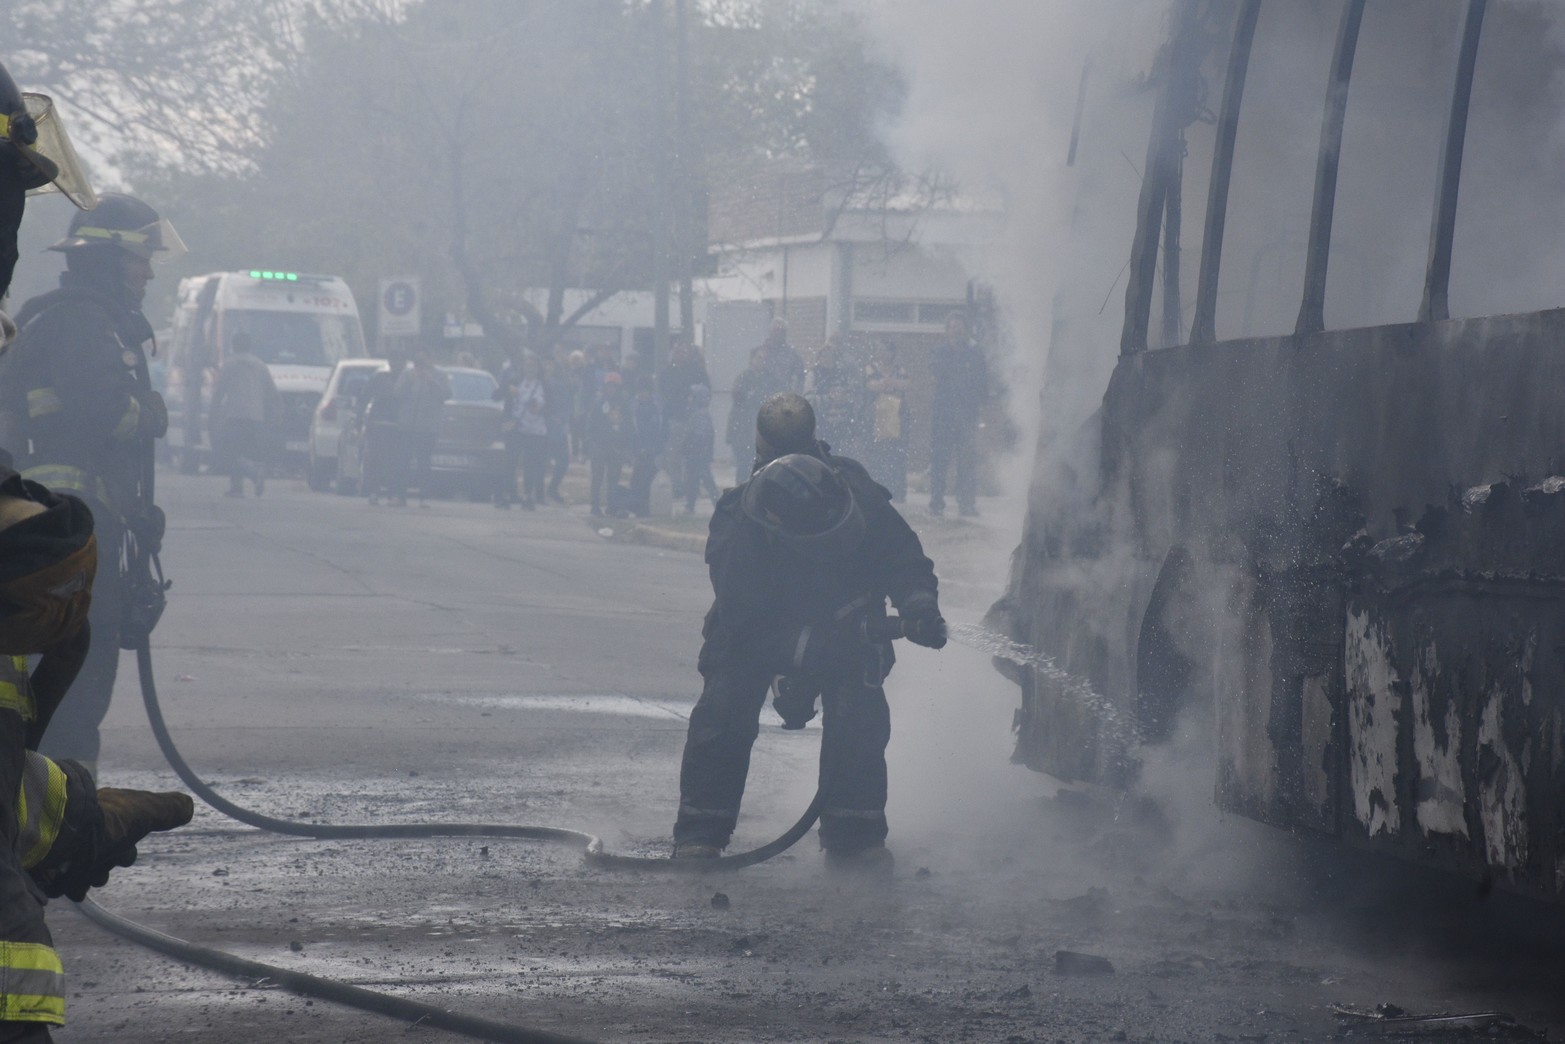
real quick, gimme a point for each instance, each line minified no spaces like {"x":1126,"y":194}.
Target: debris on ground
{"x":720,"y":901}
{"x":1391,"y":1020}
{"x":1091,"y":906}
{"x":1069,"y":962}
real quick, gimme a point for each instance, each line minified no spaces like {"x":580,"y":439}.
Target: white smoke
{"x":993,"y":96}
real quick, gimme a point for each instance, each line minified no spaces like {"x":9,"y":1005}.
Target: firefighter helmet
{"x":126,"y":222}
{"x":784,"y":424}
{"x":34,"y":148}
{"x":807,"y":505}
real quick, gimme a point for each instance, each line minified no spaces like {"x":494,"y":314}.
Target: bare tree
{"x":158,"y":81}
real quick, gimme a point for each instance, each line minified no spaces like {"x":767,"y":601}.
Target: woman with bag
{"x":525,"y":428}
{"x":886,"y":381}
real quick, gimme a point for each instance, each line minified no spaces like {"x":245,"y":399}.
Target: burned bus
{"x":1318,"y":513}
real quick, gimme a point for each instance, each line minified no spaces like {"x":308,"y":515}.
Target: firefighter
{"x":58,"y":835}
{"x":81,"y":416}
{"x":803,"y":558}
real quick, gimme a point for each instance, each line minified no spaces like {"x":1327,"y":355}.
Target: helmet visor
{"x":155,"y":242}
{"x":54,"y":145}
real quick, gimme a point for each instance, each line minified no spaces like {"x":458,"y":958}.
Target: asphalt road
{"x":324,"y":659}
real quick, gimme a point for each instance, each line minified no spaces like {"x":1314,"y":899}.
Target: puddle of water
{"x":619,"y":704}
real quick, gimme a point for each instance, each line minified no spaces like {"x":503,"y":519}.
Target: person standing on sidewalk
{"x":245,"y":406}
{"x":557,"y":395}
{"x":527,"y":429}
{"x":887,"y":384}
{"x":649,"y":434}
{"x":608,"y":441}
{"x":421,"y":394}
{"x":384,"y":457}
{"x":748,"y":391}
{"x":684,"y":371}
{"x":961,"y":389}
{"x":696,"y":448}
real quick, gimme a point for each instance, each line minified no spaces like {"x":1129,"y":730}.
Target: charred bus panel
{"x":1339,"y":552}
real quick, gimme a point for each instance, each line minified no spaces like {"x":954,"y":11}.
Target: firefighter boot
{"x":874,"y":862}
{"x":696,"y":850}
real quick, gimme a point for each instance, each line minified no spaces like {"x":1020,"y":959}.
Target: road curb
{"x":670,"y":539}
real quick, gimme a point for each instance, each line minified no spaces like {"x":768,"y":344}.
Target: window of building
{"x":904,"y":315}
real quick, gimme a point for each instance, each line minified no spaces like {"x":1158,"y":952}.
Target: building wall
{"x":753,"y":205}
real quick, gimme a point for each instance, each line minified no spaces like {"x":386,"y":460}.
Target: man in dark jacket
{"x":649,"y":434}
{"x":384,"y":457}
{"x":961,"y":389}
{"x":803,"y":557}
{"x":784,"y":366}
{"x":685,"y":370}
{"x":81,"y":416}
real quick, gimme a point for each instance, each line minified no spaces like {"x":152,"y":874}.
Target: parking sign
{"x":399,"y":307}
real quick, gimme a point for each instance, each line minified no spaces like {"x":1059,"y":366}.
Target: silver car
{"x":343,"y":389}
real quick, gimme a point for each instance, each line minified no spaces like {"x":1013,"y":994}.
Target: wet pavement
{"x":327,"y":661}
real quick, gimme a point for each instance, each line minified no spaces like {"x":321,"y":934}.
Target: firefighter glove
{"x":101,"y":831}
{"x":922,"y":622}
{"x":154,"y":414}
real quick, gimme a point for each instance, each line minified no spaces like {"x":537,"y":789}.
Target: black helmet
{"x":784,"y":424}
{"x":807,"y":505}
{"x":126,"y":222}
{"x":35,"y":152}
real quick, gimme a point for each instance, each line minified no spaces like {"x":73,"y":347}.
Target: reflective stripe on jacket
{"x":32,"y":983}
{"x":16,"y":692}
{"x":63,"y":478}
{"x":40,"y":809}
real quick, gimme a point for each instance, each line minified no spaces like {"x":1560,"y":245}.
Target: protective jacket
{"x":46,"y":805}
{"x":32,"y":980}
{"x":78,"y":413}
{"x":764,"y":595}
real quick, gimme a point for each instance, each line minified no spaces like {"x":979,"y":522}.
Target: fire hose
{"x":372,"y":1001}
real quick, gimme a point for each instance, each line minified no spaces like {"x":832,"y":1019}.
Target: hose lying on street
{"x":355,"y":996}
{"x":591,"y":846}
{"x":411,"y":1011}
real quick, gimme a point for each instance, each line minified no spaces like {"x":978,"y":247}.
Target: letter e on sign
{"x":399,"y":307}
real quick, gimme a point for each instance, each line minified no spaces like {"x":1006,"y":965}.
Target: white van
{"x":300,"y":325}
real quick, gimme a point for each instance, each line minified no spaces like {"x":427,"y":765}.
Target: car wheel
{"x":318,"y":475}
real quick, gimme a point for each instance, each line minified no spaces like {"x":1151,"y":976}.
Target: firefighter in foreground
{"x":81,"y":416}
{"x":58,"y":834}
{"x":803,"y":558}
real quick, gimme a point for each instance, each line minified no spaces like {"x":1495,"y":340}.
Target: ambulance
{"x":299,"y":325}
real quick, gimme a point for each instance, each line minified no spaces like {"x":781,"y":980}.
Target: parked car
{"x":345,"y":386}
{"x":469,"y":455}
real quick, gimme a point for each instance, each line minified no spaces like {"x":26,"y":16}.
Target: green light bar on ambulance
{"x":286,"y":277}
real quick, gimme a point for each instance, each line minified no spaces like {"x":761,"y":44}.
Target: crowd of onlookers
{"x":861,"y":392}
{"x":626,"y":422}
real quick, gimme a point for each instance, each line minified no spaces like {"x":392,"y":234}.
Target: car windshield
{"x":295,"y":338}
{"x":468,"y":386}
